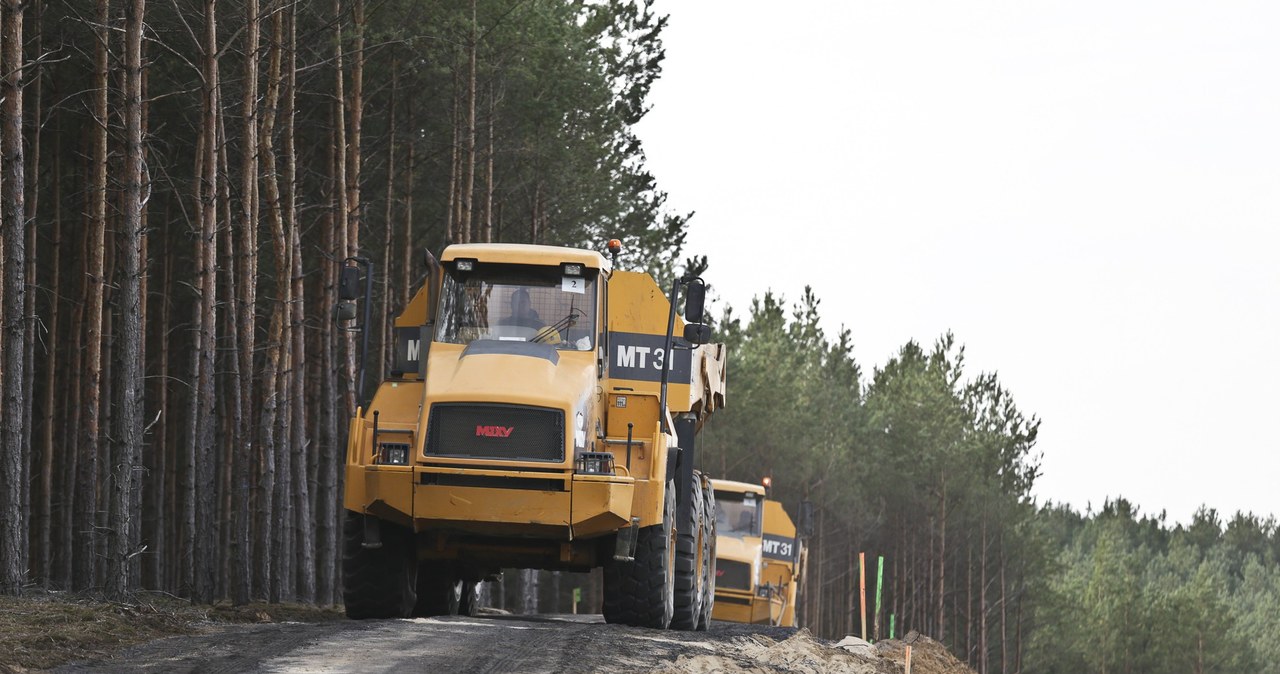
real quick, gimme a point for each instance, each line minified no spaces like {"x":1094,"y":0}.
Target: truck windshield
{"x":519,"y":303}
{"x":738,"y":514}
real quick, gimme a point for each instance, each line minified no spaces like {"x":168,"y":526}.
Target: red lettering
{"x":494,"y":431}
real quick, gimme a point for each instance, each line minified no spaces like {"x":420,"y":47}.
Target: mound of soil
{"x":927,"y":655}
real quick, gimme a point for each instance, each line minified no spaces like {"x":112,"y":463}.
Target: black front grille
{"x":513,"y":432}
{"x":733,"y":575}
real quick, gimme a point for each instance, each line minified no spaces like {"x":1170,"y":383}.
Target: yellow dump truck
{"x":760,"y":555}
{"x":541,"y":411}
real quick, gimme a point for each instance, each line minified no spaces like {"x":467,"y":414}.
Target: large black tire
{"x":377,"y":582}
{"x":439,"y":590}
{"x":690,"y":562}
{"x":709,"y":546}
{"x":642,"y":592}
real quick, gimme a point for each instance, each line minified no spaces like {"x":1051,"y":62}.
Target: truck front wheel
{"x":709,"y":551}
{"x":377,"y":582}
{"x":642,"y":592}
{"x":691,"y":562}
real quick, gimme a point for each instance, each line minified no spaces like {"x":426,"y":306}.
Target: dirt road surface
{"x":497,"y":643}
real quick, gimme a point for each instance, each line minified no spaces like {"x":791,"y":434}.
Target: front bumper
{"x":553,"y":505}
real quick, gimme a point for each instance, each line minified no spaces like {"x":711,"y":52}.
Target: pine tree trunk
{"x":13,"y":462}
{"x":452,"y":235}
{"x":297,"y":580}
{"x":388,"y":230}
{"x":469,"y":135}
{"x":48,"y":402}
{"x":528,"y":591}
{"x":73,"y":409}
{"x":245,"y":323}
{"x":201,"y":518}
{"x":130,"y":376}
{"x":160,"y":495}
{"x":1004,"y":613}
{"x":31,"y":185}
{"x":85,"y":519}
{"x":982,"y":599}
{"x":336,"y":388}
{"x":942,"y":562}
{"x":488,"y":181}
{"x":271,"y":378}
{"x":406,"y":242}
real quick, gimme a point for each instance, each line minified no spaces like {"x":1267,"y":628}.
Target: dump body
{"x":520,"y":373}
{"x":759,"y":557}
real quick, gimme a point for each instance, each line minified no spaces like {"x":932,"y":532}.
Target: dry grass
{"x":44,"y":630}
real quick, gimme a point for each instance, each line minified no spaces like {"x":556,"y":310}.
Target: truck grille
{"x":733,"y":575}
{"x":512,"y":432}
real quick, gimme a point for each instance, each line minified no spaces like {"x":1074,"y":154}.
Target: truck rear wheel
{"x":439,"y":590}
{"x":709,"y":552}
{"x":690,"y":562}
{"x":377,"y":582}
{"x":470,"y":599}
{"x":642,"y":592}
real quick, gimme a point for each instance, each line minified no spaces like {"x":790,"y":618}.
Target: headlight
{"x":594,"y":463}
{"x":393,"y":454}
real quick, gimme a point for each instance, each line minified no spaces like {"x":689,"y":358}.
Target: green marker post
{"x":879,"y":584}
{"x":891,"y":617}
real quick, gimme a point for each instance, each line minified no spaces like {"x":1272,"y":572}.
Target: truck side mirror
{"x":349,"y":284}
{"x":806,"y":518}
{"x":697,"y":333}
{"x":695,"y":296}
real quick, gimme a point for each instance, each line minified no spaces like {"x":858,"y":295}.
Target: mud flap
{"x":624,"y":549}
{"x":372,"y":533}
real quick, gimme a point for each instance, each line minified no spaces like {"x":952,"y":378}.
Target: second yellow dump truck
{"x":760,"y":555}
{"x":541,"y":411}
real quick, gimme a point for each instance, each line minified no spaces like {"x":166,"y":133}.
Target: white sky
{"x":1087,"y":193}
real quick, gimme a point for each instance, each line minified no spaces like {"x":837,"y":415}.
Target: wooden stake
{"x":862,"y":591}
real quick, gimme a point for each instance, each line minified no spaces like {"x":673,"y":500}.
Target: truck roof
{"x":739,"y":487}
{"x":522,"y":253}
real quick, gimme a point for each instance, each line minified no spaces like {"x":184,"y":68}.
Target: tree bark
{"x":388,"y":230}
{"x":469,"y":135}
{"x":406,"y":267}
{"x":200,"y":471}
{"x":487,"y":235}
{"x":13,"y":509}
{"x":298,"y":541}
{"x":271,"y":378}
{"x":242,"y":511}
{"x":86,"y":539}
{"x":130,"y":377}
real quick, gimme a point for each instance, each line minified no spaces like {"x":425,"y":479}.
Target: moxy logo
{"x":494,"y":431}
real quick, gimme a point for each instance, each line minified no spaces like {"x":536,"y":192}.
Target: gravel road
{"x":499,"y":644}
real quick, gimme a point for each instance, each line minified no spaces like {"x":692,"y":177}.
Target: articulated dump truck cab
{"x":525,"y":423}
{"x":759,"y":557}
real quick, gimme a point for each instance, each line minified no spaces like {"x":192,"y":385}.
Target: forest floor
{"x":160,"y":633}
{"x":43,"y":630}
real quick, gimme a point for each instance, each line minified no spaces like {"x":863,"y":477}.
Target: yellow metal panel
{"x":415,"y":313}
{"x":383,"y":490}
{"x":521,"y":253}
{"x":480,"y":504}
{"x":737,"y":487}
{"x":601,"y":504}
{"x":777,"y":521}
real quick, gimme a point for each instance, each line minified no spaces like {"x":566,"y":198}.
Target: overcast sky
{"x":1087,"y":193}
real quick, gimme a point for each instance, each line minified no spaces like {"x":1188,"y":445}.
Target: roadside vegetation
{"x":931,"y":466}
